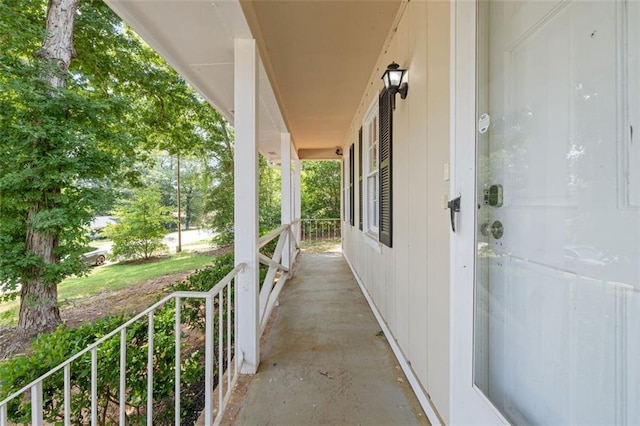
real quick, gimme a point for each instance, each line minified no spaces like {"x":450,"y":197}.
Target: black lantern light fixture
{"x":393,"y":81}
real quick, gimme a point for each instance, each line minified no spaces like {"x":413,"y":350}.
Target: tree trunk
{"x":39,"y":300}
{"x":38,"y":307}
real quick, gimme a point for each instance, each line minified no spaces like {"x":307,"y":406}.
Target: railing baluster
{"x":220,"y":346}
{"x":178,"y":331}
{"x":67,"y":394}
{"x":150,"y":332}
{"x":94,"y":386}
{"x":314,"y":230}
{"x":123,"y":376}
{"x":228,"y":365}
{"x":208,"y":366}
{"x":3,"y":415}
{"x":36,"y":404}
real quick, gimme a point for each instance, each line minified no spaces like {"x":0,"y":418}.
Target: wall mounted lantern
{"x":392,"y":78}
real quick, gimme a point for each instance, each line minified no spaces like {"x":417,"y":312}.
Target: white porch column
{"x":246,"y":203}
{"x":286,"y":208}
{"x":297,"y":197}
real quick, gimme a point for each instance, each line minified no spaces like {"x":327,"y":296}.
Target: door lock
{"x":494,"y":196}
{"x":496,"y":229}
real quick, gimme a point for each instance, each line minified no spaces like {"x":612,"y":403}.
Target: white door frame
{"x":467,"y":403}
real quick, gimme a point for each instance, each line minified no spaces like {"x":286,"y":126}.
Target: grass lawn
{"x":199,"y":242}
{"x":322,"y":246}
{"x":114,"y":277}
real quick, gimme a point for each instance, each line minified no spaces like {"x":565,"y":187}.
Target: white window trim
{"x":369,"y":229}
{"x":372,"y":242}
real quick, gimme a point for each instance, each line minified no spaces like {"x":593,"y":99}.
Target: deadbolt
{"x":493,"y":196}
{"x":494,"y":229}
{"x":497,"y":230}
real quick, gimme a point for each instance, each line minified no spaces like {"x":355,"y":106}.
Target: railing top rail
{"x":321,"y":220}
{"x":195,"y":294}
{"x":265,"y":239}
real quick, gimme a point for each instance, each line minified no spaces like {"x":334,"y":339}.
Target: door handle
{"x":454,"y":207}
{"x":496,"y":229}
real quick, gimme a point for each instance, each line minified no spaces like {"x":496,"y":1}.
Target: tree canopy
{"x":75,"y":129}
{"x":321,"y":189}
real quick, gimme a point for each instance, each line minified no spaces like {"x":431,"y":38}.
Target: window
{"x":377,"y":183}
{"x":370,"y":162}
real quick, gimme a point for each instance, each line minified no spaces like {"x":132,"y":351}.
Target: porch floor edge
{"x":423,"y":398}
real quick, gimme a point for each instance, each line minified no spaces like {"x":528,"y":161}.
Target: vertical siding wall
{"x":409,"y":283}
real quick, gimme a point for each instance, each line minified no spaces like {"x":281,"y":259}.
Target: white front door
{"x":556,"y":294}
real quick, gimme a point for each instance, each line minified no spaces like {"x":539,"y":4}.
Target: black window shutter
{"x":343,"y":186}
{"x":385,"y":176}
{"x":352,"y":195}
{"x":360,"y":178}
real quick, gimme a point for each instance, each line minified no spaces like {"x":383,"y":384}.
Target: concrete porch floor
{"x":325,"y":360}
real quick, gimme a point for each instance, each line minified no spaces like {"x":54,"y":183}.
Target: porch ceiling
{"x":316,"y":58}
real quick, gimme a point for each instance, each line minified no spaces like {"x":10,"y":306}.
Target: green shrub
{"x":203,"y":280}
{"x":224,"y":238}
{"x":50,"y":350}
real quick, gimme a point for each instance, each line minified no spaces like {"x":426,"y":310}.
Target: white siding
{"x":409,"y":283}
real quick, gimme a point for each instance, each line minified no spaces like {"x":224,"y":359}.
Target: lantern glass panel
{"x":395,"y":77}
{"x":385,"y":78}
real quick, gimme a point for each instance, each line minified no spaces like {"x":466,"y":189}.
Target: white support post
{"x":286,"y":208}
{"x":297,"y":197}
{"x":246,"y":202}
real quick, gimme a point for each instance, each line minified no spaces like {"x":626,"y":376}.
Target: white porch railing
{"x":218,"y":323}
{"x":273,"y":283}
{"x":320,"y":229}
{"x":219,"y":326}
